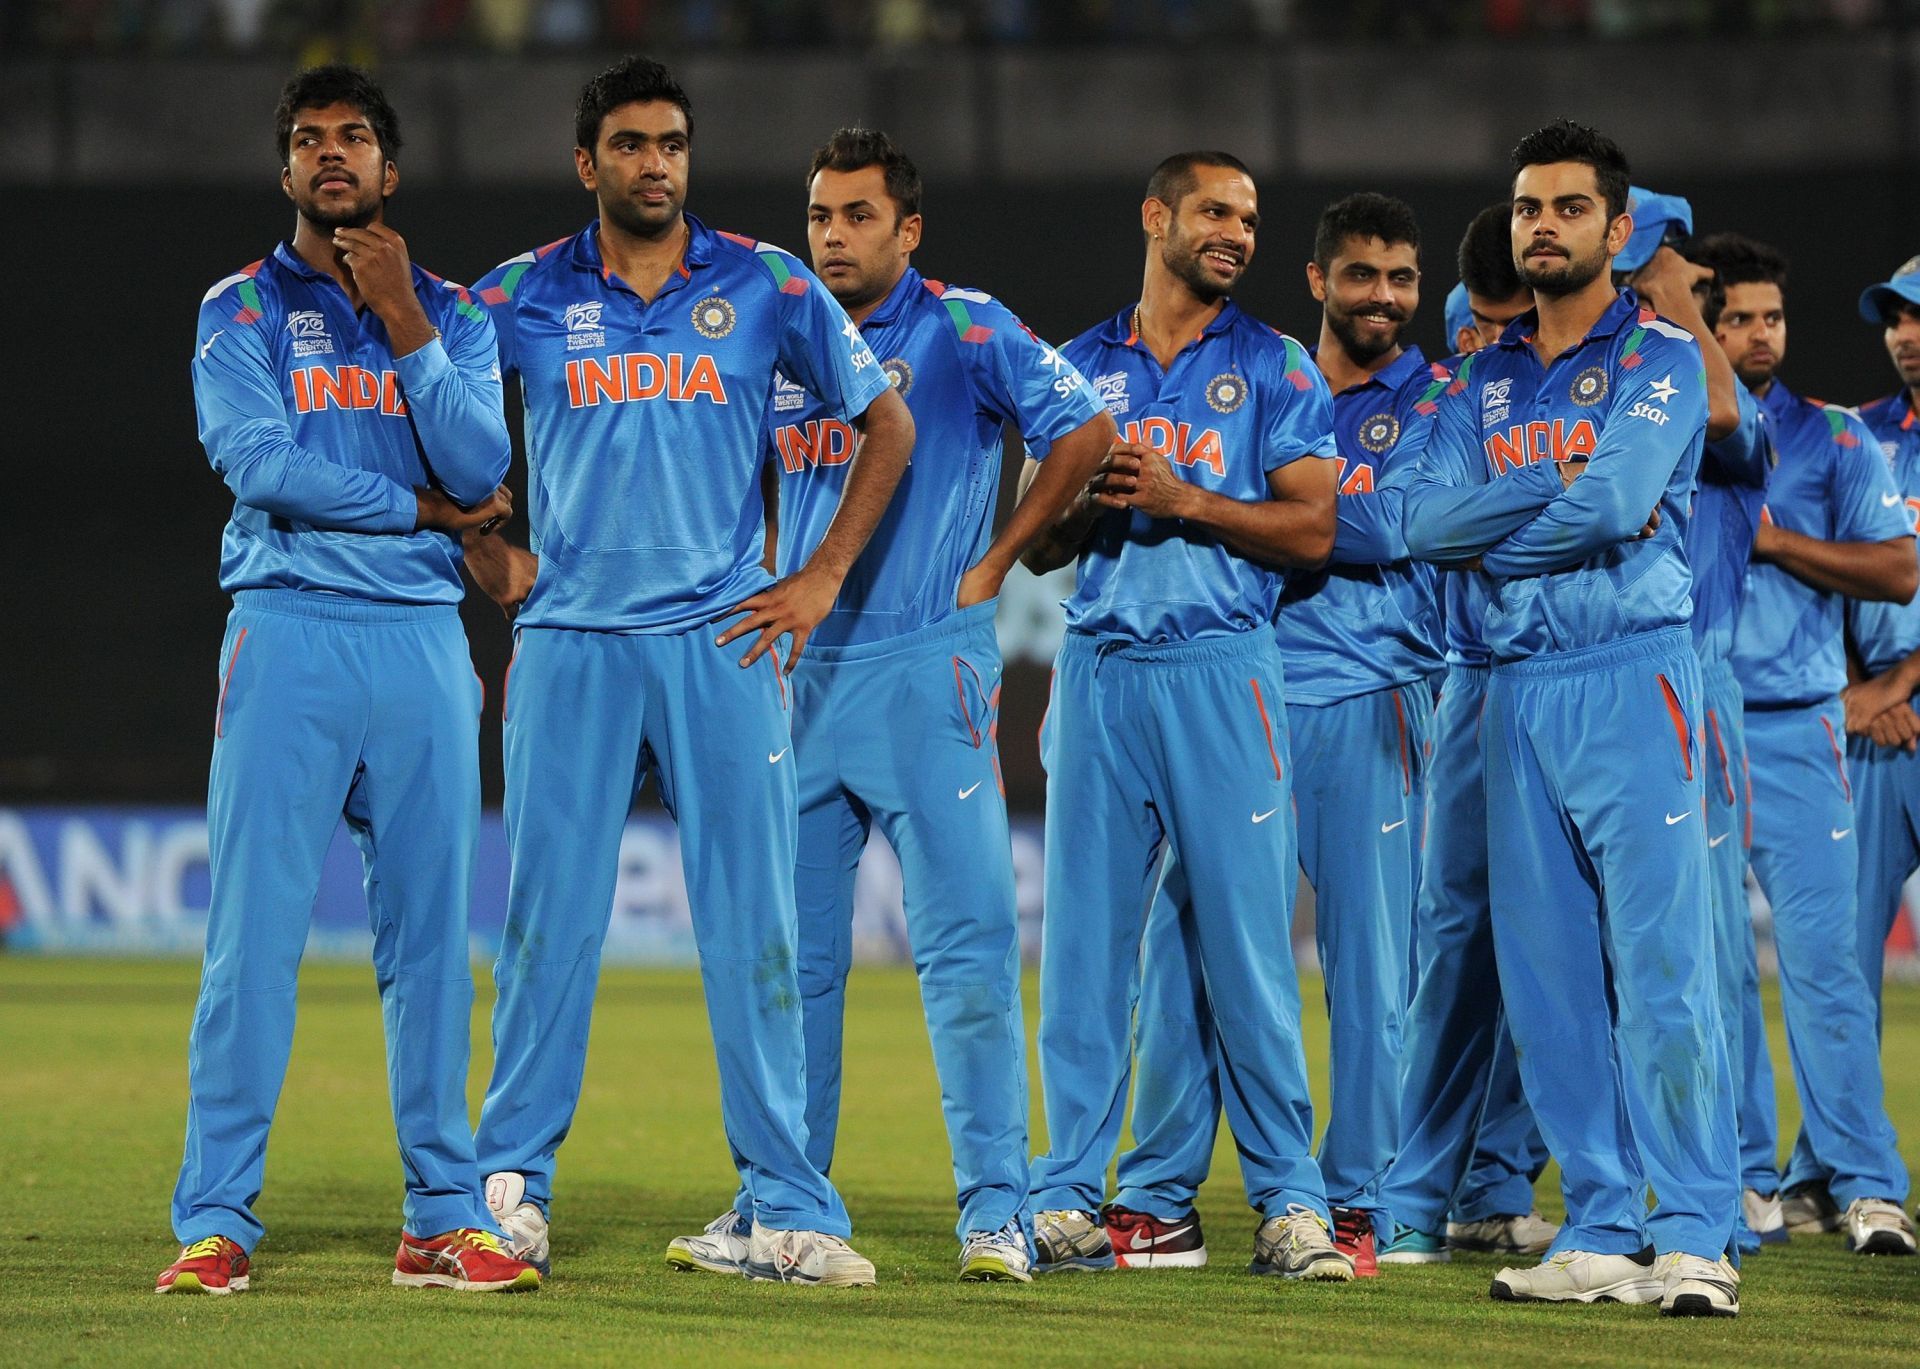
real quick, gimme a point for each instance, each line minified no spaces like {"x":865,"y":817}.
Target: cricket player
{"x":649,"y":348}
{"x":1469,"y":1150}
{"x":911,"y":640}
{"x":1597,"y":857}
{"x":1167,"y":720}
{"x":1358,"y":641}
{"x":351,"y":402}
{"x":1834,"y":527}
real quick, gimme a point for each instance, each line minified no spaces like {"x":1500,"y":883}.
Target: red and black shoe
{"x":1141,"y":1241}
{"x":215,"y":1265}
{"x":468,"y":1260}
{"x":1353,"y":1237}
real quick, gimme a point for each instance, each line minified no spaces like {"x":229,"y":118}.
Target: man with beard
{"x":1167,"y":722}
{"x":1833,"y":527}
{"x":648,"y":348}
{"x":1469,"y":1151}
{"x":1597,"y":856}
{"x":345,"y":683}
{"x":1357,"y":643}
{"x":911,"y":640}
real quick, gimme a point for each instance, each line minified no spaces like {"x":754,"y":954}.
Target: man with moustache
{"x":351,"y":402}
{"x":1833,"y":527}
{"x":911,"y":640}
{"x":1167,"y":719}
{"x":648,"y":348}
{"x":1586,"y":416}
{"x":1358,"y":641}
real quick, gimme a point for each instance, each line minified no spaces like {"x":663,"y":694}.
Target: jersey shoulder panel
{"x":238,"y":296}
{"x":788,"y":274}
{"x":504,"y":282}
{"x":974,"y":314}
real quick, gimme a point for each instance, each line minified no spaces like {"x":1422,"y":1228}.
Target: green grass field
{"x":92,"y":1087}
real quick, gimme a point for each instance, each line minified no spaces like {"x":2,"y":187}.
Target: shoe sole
{"x":992,"y":1269}
{"x":766,"y":1273}
{"x":1415,"y":1257}
{"x":1161,"y":1259}
{"x":1883,"y":1243}
{"x":1697,"y":1305}
{"x":1633,"y":1293}
{"x":190,"y":1284}
{"x":526,"y":1281}
{"x":1078,"y":1264}
{"x":1320,"y":1271}
{"x":689,"y":1263}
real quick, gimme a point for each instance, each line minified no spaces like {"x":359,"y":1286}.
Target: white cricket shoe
{"x":1298,"y":1244}
{"x":1763,"y":1216}
{"x":1697,"y":1287}
{"x":1582,"y":1276}
{"x":523,"y":1222}
{"x":1071,"y":1238}
{"x":1001,"y":1256}
{"x":1526,"y":1233}
{"x":1809,"y":1210}
{"x":805,"y":1257}
{"x":721,"y":1248}
{"x":1877,"y":1226}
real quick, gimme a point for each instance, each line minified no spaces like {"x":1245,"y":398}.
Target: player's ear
{"x":1617,"y":234}
{"x":389,"y":181}
{"x":910,"y":228}
{"x":1317,"y":281}
{"x":286,"y":181}
{"x":1153,"y":217}
{"x":584,"y":167}
{"x":1466,"y":340}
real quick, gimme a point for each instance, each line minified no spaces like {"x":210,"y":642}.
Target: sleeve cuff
{"x":403,"y":509}
{"x":423,"y":366}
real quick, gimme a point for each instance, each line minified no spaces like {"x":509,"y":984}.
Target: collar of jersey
{"x":1119,"y":328}
{"x":1778,"y":399}
{"x":291,"y":260}
{"x":586,"y":248}
{"x":903,"y":289}
{"x":1389,"y":377}
{"x":1625,"y":309}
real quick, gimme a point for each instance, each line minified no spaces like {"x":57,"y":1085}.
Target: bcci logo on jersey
{"x":1226,"y":392}
{"x":713,"y":317}
{"x":1112,"y":391}
{"x":1589,"y":387}
{"x":899,"y":375}
{"x":787,"y":396}
{"x":1379,"y":433}
{"x":308,"y":329}
{"x":582,"y":322}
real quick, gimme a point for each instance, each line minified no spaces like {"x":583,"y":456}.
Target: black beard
{"x":1544,"y":280}
{"x":1358,"y":348}
{"x":1186,"y":264}
{"x":639,"y":222}
{"x":327,"y":218}
{"x":1754,"y":379}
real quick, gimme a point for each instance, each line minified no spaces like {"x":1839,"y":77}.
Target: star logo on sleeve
{"x":1664,"y":389}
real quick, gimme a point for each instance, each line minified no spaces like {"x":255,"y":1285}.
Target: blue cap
{"x":1654,"y":218}
{"x":1876,"y":300}
{"x":1459,"y":313}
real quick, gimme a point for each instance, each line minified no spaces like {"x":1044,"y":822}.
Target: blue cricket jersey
{"x":1239,"y":401}
{"x":1886,"y":634}
{"x":966,"y":367}
{"x":1369,"y":620}
{"x":1726,"y":513}
{"x":323,"y":434}
{"x":1830,"y":483}
{"x":646,"y":422}
{"x":1630,"y":397}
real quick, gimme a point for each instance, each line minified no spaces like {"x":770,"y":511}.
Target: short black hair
{"x":1363,"y":215}
{"x":1485,"y":258}
{"x":632,"y":80}
{"x":1565,"y":141}
{"x":336,"y":84}
{"x":1174,"y":179}
{"x":1736,"y":260}
{"x":853,"y":149}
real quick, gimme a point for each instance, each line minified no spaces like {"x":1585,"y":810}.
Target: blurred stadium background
{"x":136,"y":167}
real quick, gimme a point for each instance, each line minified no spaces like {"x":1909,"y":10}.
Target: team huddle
{"x":1520,"y":657}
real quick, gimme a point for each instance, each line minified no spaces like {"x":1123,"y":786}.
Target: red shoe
{"x":1141,"y":1241}
{"x":1353,"y":1236}
{"x":215,"y":1265}
{"x":469,"y":1260}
